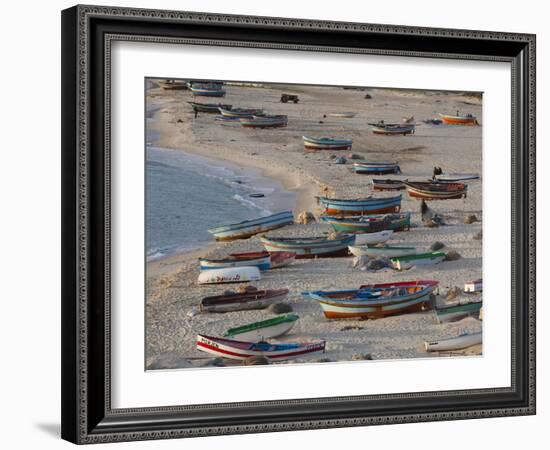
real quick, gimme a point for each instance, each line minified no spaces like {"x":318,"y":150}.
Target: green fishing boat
{"x":406,"y":262}
{"x":458,"y":311}
{"x":265,"y":329}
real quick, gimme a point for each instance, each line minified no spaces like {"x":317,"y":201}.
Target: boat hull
{"x":376,"y":170}
{"x":387,"y":185}
{"x":405,"y":262}
{"x":456,"y":343}
{"x":247,"y":228}
{"x":426,"y":192}
{"x":207,"y":93}
{"x":393,"y":131}
{"x":243,"y":274}
{"x":322,"y":249}
{"x":457,"y":312}
{"x":261,"y":334}
{"x":361,"y":206}
{"x":377,"y":224}
{"x":238,"y":350}
{"x":243,"y":302}
{"x":262,"y":263}
{"x":373,"y":238}
{"x":377,"y":252}
{"x":458,"y":120}
{"x":373,"y":312}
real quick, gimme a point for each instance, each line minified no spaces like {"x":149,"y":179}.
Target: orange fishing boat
{"x":458,"y":119}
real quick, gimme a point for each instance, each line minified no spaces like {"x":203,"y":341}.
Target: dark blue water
{"x":187,"y":194}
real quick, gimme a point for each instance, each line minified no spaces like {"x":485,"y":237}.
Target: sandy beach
{"x":173,"y":295}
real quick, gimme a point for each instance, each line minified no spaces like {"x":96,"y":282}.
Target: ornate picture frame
{"x":87,"y":35}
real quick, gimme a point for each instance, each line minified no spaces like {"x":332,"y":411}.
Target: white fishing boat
{"x":241,"y":274}
{"x":454,"y":177}
{"x":373,"y":238}
{"x":455,"y":343}
{"x":386,"y":251}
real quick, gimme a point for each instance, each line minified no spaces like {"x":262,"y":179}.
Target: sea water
{"x":186,"y":194}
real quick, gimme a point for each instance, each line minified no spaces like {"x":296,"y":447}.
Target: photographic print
{"x":290,"y":223}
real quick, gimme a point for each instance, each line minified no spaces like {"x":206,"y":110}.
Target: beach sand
{"x":172,"y":292}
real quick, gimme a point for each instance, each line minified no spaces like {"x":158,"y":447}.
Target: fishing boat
{"x":326,"y":143}
{"x":261,"y":260}
{"x":228,"y":348}
{"x":208,"y":107}
{"x":386,"y":251}
{"x":205,"y":84}
{"x":387,"y":185}
{"x":474,"y":286}
{"x":282,"y":259}
{"x":227,"y":120}
{"x":265,"y":329}
{"x":420,"y":259}
{"x":252,"y":298}
{"x":393,"y":128}
{"x":310,"y":247}
{"x":241,"y":274}
{"x":247,"y":228}
{"x":206,"y":91}
{"x":436,"y":191}
{"x":458,"y":119}
{"x":172,"y":84}
{"x":368,"y":205}
{"x":455,"y":343}
{"x":277,"y":259}
{"x":240,"y":113}
{"x":369,"y":224}
{"x":264,"y":121}
{"x":378,"y":237}
{"x":457,"y":311}
{"x":376,"y":300}
{"x":455,"y":177}
{"x":343,"y":115}
{"x":376,"y":168}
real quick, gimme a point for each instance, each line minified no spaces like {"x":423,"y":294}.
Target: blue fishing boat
{"x":310,"y":247}
{"x":262,"y":260}
{"x":372,"y":168}
{"x":369,"y":224}
{"x":368,"y":205}
{"x":247,"y":228}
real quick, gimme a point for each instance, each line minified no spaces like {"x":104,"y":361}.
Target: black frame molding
{"x":87,"y":33}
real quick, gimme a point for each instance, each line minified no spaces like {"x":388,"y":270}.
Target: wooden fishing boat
{"x":261,"y":260}
{"x":240,"y":112}
{"x":277,"y":259}
{"x":387,"y":185}
{"x":282,"y":259}
{"x":458,"y":119}
{"x":208,"y":107}
{"x":242,"y":274}
{"x":368,"y":205}
{"x":369,"y":224}
{"x":457,"y":311}
{"x":172,"y":84}
{"x":326,"y":143}
{"x":343,"y":115}
{"x":436,"y":191}
{"x":310,"y":247}
{"x":455,"y":177}
{"x":376,"y":300}
{"x":265,"y":329}
{"x":206,"y":91}
{"x":420,"y":259}
{"x":393,"y":128}
{"x":386,"y":251}
{"x":231,"y":349}
{"x":378,"y":237}
{"x":247,"y":228}
{"x":369,"y":168}
{"x":242,"y":301}
{"x":455,"y":343}
{"x":474,"y":286}
{"x":264,"y":121}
